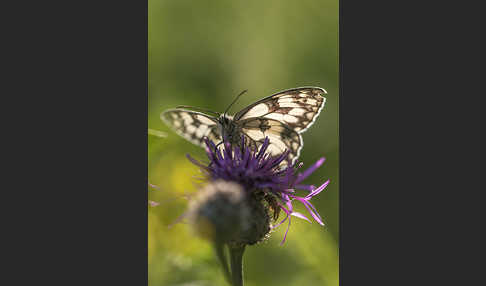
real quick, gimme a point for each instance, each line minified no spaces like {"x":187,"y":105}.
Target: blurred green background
{"x":203,"y":53}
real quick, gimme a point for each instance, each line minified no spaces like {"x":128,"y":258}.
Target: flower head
{"x":262,"y":176}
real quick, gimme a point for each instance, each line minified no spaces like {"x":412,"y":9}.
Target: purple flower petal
{"x":318,"y":190}
{"x":153,"y":204}
{"x":263,"y":148}
{"x":278,"y":224}
{"x":286,"y":231}
{"x":314,"y":215}
{"x":289,"y":205}
{"x":154,"y":187}
{"x":284,"y":209}
{"x":309,"y":188}
{"x":310,"y":170}
{"x":299,"y":215}
{"x":195,"y":162}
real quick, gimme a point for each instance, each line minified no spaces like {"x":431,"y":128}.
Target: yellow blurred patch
{"x":153,"y":225}
{"x":322,"y":260}
{"x":182,"y":175}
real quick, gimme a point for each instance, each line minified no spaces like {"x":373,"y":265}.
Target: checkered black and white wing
{"x":298,"y":107}
{"x":191,"y":125}
{"x":282,"y":117}
{"x":280,"y":135}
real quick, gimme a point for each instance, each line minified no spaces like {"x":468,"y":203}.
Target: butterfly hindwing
{"x":298,"y":108}
{"x":281,"y":137}
{"x":191,"y":125}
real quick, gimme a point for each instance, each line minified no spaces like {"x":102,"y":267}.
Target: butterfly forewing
{"x":298,"y":108}
{"x":193,"y":126}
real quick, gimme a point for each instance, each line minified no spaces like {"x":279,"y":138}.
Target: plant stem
{"x":218,"y":247}
{"x":236,"y":258}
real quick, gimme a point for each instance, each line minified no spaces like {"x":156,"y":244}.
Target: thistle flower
{"x":263,"y":179}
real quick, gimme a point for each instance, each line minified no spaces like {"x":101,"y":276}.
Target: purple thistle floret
{"x":257,"y":170}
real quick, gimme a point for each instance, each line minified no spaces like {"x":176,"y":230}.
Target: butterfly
{"x":281,"y":117}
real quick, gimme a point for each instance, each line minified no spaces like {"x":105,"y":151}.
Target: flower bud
{"x":224,"y":212}
{"x":219,"y":212}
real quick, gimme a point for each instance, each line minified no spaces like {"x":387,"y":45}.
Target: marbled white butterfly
{"x":281,"y":117}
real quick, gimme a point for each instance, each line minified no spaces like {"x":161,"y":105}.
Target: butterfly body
{"x":230,"y":131}
{"x":281,"y":117}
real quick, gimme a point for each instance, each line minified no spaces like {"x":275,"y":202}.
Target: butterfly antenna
{"x":199,"y":109}
{"x":227,"y":109}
